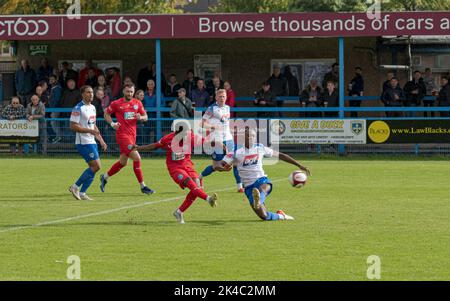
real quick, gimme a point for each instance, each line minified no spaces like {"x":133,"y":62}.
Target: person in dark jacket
{"x":265,"y":98}
{"x":330,"y":99}
{"x":293,"y":88}
{"x":25,"y":81}
{"x":71,"y":96}
{"x":172,"y":86}
{"x":386,"y":84}
{"x":393,"y":96}
{"x":356,"y":88}
{"x":443,"y":98}
{"x":278,"y":85}
{"x":311,"y":98}
{"x":44,"y":71}
{"x":54,"y":101}
{"x":200,"y":97}
{"x":190,"y":83}
{"x":67,"y":73}
{"x":333,"y":75}
{"x":415,"y":90}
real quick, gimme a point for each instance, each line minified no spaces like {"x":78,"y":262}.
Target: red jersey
{"x":125,"y":112}
{"x":179,"y":155}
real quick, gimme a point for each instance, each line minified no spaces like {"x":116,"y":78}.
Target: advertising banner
{"x":408,"y":131}
{"x":19,"y":131}
{"x":318,"y":131}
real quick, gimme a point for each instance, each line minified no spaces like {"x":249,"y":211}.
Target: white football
{"x":298,"y":179}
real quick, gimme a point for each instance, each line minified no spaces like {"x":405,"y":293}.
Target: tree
{"x":37,"y":7}
{"x":248,"y":6}
{"x":415,"y":5}
{"x":329,"y":5}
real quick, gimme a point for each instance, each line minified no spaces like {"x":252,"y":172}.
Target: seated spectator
{"x":443,"y":98}
{"x":200,"y":97}
{"x":172,"y":86}
{"x":15,"y":111}
{"x":393,"y":96}
{"x":330,"y":99}
{"x":190,"y":83}
{"x":217,"y":84}
{"x":150,"y":94}
{"x":356,"y":88}
{"x":265,"y":98}
{"x":231,"y":97}
{"x":415,"y":91}
{"x":36,"y":111}
{"x":44,"y":71}
{"x":182,"y":106}
{"x":310,"y":98}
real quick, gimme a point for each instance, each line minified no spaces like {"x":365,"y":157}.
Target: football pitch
{"x":351,"y":208}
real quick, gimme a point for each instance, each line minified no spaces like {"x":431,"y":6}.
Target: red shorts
{"x":125,"y":144}
{"x":179,"y":175}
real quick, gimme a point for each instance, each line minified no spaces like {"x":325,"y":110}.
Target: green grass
{"x":350,"y":209}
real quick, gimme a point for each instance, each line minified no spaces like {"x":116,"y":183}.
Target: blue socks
{"x":272,"y":216}
{"x":208,"y":170}
{"x":86,"y":179}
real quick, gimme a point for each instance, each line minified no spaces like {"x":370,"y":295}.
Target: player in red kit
{"x":178,"y":146}
{"x":128,"y":112}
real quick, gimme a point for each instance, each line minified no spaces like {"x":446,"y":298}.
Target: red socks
{"x":138,"y":171}
{"x":115,"y":169}
{"x":195,"y":192}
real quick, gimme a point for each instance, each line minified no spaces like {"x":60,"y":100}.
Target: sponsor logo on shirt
{"x":250,"y":160}
{"x":129,"y":115}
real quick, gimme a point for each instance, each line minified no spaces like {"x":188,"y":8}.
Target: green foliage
{"x":248,"y":6}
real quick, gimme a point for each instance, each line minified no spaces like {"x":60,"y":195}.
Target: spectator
{"x":190,"y":83}
{"x":415,"y":91}
{"x":200,"y":97}
{"x":40,"y":91}
{"x":429,"y":81}
{"x":150,"y":94}
{"x":142,"y":130}
{"x":115,"y":82}
{"x":25,"y":81}
{"x":71,"y":96}
{"x":330,"y":98}
{"x":356,"y":88}
{"x":67,"y":73}
{"x":172,"y":86}
{"x":182,"y":106}
{"x":210,"y":86}
{"x":278,"y":85}
{"x":387,"y":83}
{"x":84,"y":73}
{"x":333,"y":76}
{"x":101,"y":83}
{"x":45,"y":92}
{"x":14,"y":111}
{"x":393,"y":96}
{"x":98,"y":102}
{"x":310,"y":98}
{"x":91,"y":78}
{"x":144,"y":75}
{"x":36,"y":111}
{"x":44,"y":71}
{"x":265,"y":98}
{"x":217,"y":84}
{"x":444,"y":96}
{"x":55,"y":102}
{"x":231,"y":97}
{"x":292,"y":82}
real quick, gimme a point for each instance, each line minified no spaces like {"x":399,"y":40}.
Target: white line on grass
{"x":104,"y":212}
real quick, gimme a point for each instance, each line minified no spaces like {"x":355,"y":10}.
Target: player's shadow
{"x":153,"y":223}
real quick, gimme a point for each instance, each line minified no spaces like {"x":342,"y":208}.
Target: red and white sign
{"x":52,"y":27}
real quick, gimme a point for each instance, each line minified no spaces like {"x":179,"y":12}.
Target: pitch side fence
{"x":151,"y":130}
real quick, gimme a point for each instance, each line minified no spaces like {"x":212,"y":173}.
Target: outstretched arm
{"x":148,"y":147}
{"x":286,"y":158}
